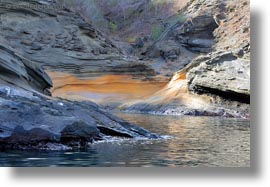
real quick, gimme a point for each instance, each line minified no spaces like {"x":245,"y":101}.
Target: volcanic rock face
{"x":222,"y":74}
{"x":216,"y":82}
{"x":30,"y":120}
{"x":209,"y":51}
{"x":226,"y":70}
{"x":196,"y":33}
{"x":61,"y":40}
{"x":19,"y":71}
{"x":187,"y":38}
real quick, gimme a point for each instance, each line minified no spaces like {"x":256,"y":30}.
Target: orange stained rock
{"x":175,"y":91}
{"x":119,"y":86}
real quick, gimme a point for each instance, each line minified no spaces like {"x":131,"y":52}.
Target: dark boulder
{"x":26,"y":139}
{"x":80,"y":133}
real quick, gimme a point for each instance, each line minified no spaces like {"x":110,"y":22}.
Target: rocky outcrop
{"x":222,"y":74}
{"x":79,"y":133}
{"x":21,"y":72}
{"x":176,"y":99}
{"x":217,"y":82}
{"x":57,"y":39}
{"x":31,"y":120}
{"x":61,"y":40}
{"x":196,"y":34}
{"x":209,"y":51}
{"x":36,"y":122}
{"x":184,"y":40}
{"x":226,"y":70}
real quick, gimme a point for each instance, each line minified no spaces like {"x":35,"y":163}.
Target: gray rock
{"x":36,"y":47}
{"x":58,"y":121}
{"x":61,"y":40}
{"x":19,"y":71}
{"x":21,"y":138}
{"x":170,"y":50}
{"x":221,"y":74}
{"x":196,"y":34}
{"x":28,"y":118}
{"x":79,"y":131}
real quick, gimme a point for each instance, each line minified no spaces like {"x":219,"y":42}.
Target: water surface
{"x":189,"y":141}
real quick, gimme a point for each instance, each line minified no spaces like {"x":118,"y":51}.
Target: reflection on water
{"x":195,"y":141}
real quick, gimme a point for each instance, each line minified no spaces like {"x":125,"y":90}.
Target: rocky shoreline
{"x":35,"y":121}
{"x":204,"y":57}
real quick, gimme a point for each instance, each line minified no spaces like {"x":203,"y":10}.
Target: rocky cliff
{"x":226,"y":70}
{"x":33,"y":39}
{"x":203,"y":48}
{"x":216,"y":81}
{"x":61,"y":40}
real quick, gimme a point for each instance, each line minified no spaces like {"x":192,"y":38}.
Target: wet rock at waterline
{"x":38,"y":122}
{"x":79,"y":132}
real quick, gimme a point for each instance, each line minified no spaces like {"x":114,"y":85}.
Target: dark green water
{"x":194,"y":141}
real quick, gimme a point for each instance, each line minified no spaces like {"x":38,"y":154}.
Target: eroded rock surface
{"x":36,"y":121}
{"x":61,"y":40}
{"x":216,"y":81}
{"x":209,"y":52}
{"x":33,"y":39}
{"x":20,"y":71}
{"x":222,"y":74}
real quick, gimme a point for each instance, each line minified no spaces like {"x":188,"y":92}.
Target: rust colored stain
{"x":116,"y":87}
{"x":176,"y":91}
